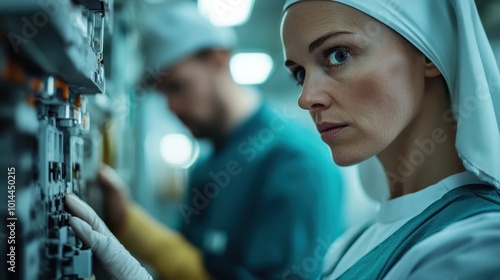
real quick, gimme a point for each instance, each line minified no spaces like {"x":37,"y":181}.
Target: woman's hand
{"x":115,"y":261}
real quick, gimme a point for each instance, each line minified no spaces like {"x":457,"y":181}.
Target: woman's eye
{"x":299,"y":76}
{"x":338,"y":57}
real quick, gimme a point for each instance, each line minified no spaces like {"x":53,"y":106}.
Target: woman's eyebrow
{"x":318,"y":42}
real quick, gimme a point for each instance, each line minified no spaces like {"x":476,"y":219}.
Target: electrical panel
{"x":51,"y":62}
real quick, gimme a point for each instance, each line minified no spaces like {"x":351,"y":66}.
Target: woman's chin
{"x":347,"y":159}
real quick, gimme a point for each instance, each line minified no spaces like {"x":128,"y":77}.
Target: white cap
{"x":175,"y":31}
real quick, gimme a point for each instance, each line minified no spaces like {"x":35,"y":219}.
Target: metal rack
{"x":51,"y":58}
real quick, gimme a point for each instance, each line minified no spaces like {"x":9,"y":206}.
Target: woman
{"x":415,"y":84}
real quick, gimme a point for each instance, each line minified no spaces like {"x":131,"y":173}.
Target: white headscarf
{"x":450,"y":34}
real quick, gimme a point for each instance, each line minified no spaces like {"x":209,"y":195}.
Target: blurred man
{"x":256,"y":209}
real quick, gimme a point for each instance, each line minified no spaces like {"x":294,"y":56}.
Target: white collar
{"x":412,"y":204}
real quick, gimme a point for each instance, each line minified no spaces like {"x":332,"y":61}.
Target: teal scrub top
{"x":267,"y":204}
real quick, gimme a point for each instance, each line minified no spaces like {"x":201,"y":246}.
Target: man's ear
{"x":431,"y":71}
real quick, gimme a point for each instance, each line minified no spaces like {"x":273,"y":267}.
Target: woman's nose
{"x":314,"y":96}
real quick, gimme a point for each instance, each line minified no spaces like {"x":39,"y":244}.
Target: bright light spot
{"x":251,"y":68}
{"x":226,"y":12}
{"x":178,"y":150}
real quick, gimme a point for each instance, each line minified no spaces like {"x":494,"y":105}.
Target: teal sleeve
{"x":300,"y":211}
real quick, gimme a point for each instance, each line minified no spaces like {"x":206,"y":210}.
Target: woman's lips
{"x":330,"y":130}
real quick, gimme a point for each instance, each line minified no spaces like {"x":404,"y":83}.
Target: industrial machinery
{"x":51,"y":62}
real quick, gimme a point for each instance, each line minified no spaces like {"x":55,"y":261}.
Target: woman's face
{"x":362,"y":83}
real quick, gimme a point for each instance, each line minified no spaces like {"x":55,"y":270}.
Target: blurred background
{"x":158,"y":150}
{"x":156,"y":174}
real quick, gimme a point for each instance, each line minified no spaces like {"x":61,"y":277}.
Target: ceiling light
{"x":226,"y":12}
{"x":251,"y":68}
{"x":178,"y":150}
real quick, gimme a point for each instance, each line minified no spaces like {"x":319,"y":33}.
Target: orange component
{"x":37,"y":84}
{"x":13,"y":72}
{"x":64,"y":88}
{"x":78,"y":101}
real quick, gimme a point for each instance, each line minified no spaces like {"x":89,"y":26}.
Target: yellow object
{"x":108,"y":138}
{"x":167,"y":251}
